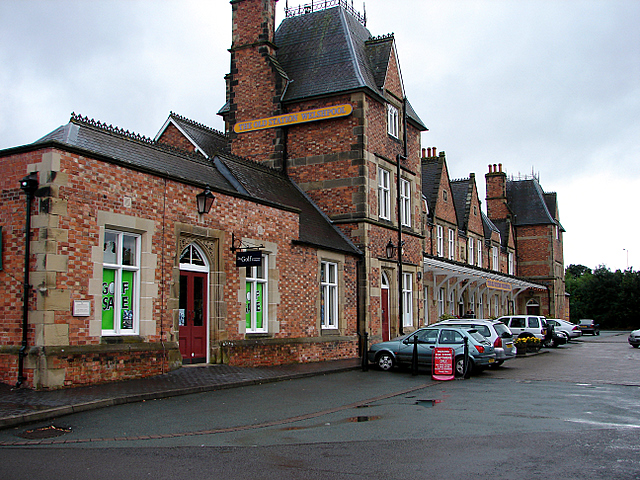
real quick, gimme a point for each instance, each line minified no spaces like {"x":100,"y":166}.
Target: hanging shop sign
{"x":249,"y":258}
{"x":498,"y":285}
{"x":326,"y":113}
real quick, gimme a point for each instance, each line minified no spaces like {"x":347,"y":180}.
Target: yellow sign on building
{"x":498,"y":285}
{"x":326,"y":113}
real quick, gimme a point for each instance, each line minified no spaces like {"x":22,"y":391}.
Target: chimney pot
{"x":500,"y":167}
{"x":424,"y":152}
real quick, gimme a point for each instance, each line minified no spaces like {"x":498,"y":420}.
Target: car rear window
{"x":477,"y":337}
{"x":483,"y":330}
{"x":501,"y":329}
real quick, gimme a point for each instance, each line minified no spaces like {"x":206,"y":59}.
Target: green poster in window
{"x":259,"y":290}
{"x":126,"y":307}
{"x":257,"y":307}
{"x":248,"y":307}
{"x":108,"y":298}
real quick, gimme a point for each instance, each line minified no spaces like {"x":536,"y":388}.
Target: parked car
{"x":551,"y":337}
{"x":525,"y":325}
{"x":634,"y":338}
{"x":570,"y":330}
{"x":399,"y":351}
{"x":493,"y":330}
{"x":589,"y":326}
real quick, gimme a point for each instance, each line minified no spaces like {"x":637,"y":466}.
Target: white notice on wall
{"x":81,"y":308}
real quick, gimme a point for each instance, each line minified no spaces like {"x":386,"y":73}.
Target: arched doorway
{"x":384,"y":305}
{"x":533,"y":307}
{"x":193,"y":303}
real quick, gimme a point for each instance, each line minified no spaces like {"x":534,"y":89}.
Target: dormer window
{"x":392,"y":121}
{"x":444,"y":195}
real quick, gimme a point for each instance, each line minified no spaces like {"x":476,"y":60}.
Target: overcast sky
{"x":549,"y":87}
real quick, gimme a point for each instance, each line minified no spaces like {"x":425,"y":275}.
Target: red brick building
{"x":470,"y":261}
{"x":328,"y":223}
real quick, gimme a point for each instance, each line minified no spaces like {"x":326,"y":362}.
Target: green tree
{"x":612,"y":299}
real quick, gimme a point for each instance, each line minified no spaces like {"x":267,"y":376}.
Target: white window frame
{"x":440,"y":241}
{"x":384,"y":194}
{"x":480,"y":309}
{"x":256,"y":276}
{"x":471,"y":258}
{"x":405,"y":202}
{"x":328,"y":295}
{"x":407,"y":299}
{"x":452,"y":244}
{"x":112,"y":293}
{"x":393,"y":121}
{"x":441,"y":304}
{"x":495,"y":258}
{"x":479,"y":253}
{"x":511,"y":265}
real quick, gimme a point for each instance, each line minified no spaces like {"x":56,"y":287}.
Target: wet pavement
{"x":20,"y":406}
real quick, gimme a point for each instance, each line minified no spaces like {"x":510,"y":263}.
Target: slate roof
{"x":528,"y":202}
{"x":505,"y":232}
{"x":329,"y":52}
{"x":209,"y":140}
{"x":225,"y":173}
{"x":461,"y":191}
{"x":488,"y":226}
{"x":432,"y":169}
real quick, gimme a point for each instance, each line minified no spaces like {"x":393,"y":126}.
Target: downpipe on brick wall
{"x":29,"y":185}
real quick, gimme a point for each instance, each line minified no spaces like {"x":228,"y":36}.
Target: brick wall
{"x":66,"y":234}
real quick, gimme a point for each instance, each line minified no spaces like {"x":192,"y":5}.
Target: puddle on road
{"x":44,"y":432}
{"x":358,"y":419}
{"x":363,"y":418}
{"x":428,"y":403}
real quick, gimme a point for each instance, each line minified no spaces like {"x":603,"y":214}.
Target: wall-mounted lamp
{"x":205,"y":200}
{"x":419,"y":275}
{"x":390,"y":249}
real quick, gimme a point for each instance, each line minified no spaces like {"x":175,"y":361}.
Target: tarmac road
{"x":570,"y":412}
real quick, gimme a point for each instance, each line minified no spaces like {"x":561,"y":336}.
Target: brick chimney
{"x":497,"y":208}
{"x":254,"y":86}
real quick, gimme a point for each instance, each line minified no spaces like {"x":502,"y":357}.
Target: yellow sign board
{"x":326,"y":113}
{"x":498,"y":285}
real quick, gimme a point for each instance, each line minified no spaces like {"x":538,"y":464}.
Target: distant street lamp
{"x":626,"y":250}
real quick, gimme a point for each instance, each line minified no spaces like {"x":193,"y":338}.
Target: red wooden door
{"x":384,"y":299}
{"x":193,"y":317}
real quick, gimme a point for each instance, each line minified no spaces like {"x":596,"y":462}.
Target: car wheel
{"x":635,"y":346}
{"x":385,"y":361}
{"x":597,"y":332}
{"x":459,"y":366}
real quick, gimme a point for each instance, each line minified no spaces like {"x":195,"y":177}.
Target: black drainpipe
{"x":399,"y":158}
{"x":29,"y":185}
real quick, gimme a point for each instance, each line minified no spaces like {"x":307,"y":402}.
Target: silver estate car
{"x":493,"y":330}
{"x":399,"y":351}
